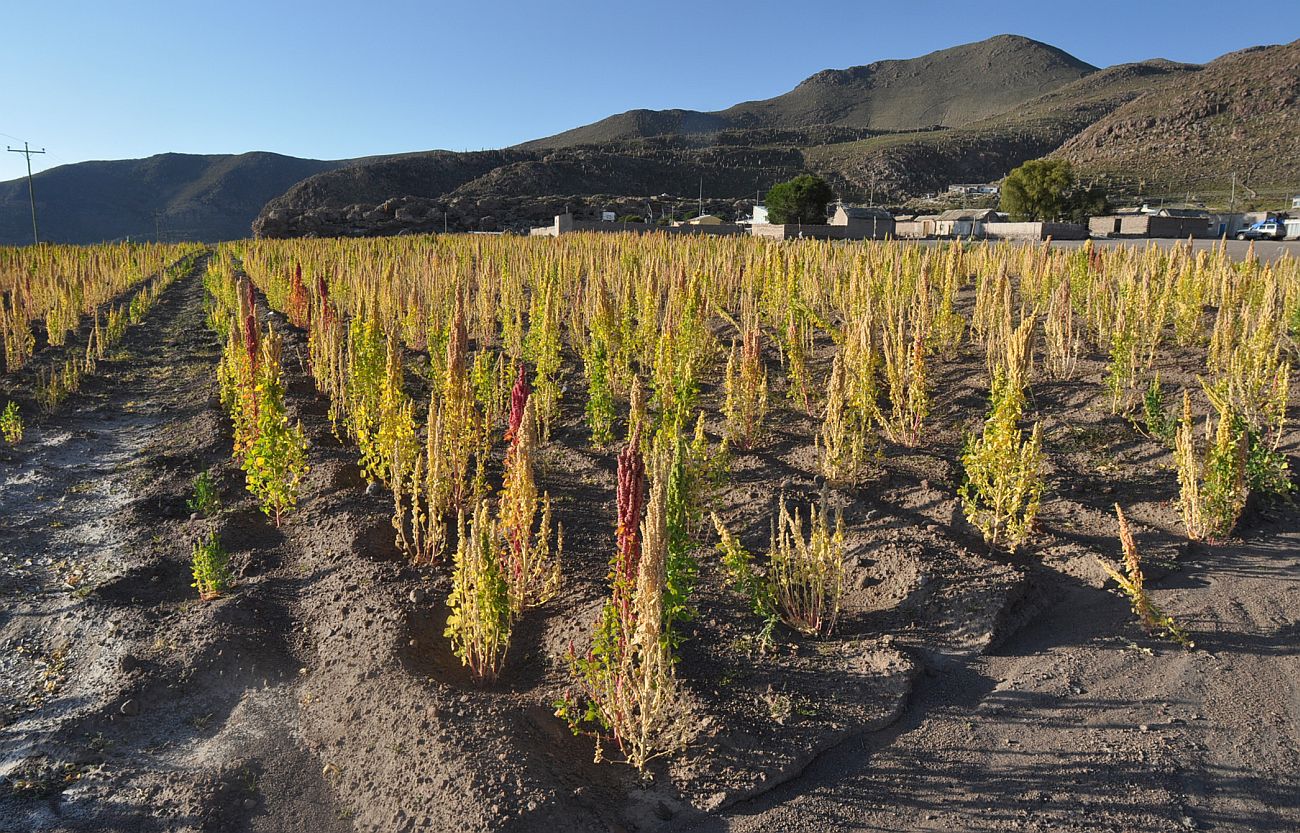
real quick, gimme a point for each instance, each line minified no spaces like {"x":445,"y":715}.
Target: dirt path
{"x":1071,"y":726}
{"x":122,"y":709}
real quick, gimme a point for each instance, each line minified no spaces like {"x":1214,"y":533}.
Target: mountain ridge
{"x":887,"y":131}
{"x":215,"y":196}
{"x":869,"y":96}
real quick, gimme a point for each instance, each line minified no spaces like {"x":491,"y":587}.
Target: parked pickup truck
{"x":1265,"y":230}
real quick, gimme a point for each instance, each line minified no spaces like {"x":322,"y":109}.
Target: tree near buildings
{"x":799,"y":200}
{"x":1038,"y":190}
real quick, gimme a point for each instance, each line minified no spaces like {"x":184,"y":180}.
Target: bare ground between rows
{"x":128,"y":706}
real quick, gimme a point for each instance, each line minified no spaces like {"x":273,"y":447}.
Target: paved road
{"x":1265,"y":250}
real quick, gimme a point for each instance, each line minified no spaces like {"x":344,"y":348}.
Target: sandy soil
{"x":962,"y":692}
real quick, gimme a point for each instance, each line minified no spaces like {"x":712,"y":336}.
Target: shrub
{"x":209,"y":566}
{"x":1132,"y":583}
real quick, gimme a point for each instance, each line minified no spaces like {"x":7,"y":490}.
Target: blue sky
{"x":325,"y":79}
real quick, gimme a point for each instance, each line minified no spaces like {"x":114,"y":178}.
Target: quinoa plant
{"x":205,"y":498}
{"x":531,"y":563}
{"x":276,"y":460}
{"x":1003,"y":484}
{"x":1062,"y":336}
{"x":366,"y":378}
{"x":542,"y":347}
{"x":420,"y":499}
{"x":743,"y":578}
{"x":600,"y":410}
{"x":1211,"y":479}
{"x":804,"y":580}
{"x":1159,"y":424}
{"x":841,"y":442}
{"x":479,"y":624}
{"x":807,"y":574}
{"x":903,"y":340}
{"x":1133,"y":584}
{"x":490,"y":380}
{"x":745,"y":387}
{"x":628,"y":689}
{"x":681,"y":572}
{"x":210,"y":568}
{"x":11,"y":424}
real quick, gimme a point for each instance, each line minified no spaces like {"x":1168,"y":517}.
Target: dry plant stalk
{"x":841,"y":442}
{"x":532,"y":566}
{"x":1133,"y":583}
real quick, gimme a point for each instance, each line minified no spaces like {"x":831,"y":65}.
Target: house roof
{"x":981,"y":214}
{"x":859,"y":213}
{"x":1194,"y":213}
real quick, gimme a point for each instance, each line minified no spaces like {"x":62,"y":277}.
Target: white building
{"x":978,"y":189}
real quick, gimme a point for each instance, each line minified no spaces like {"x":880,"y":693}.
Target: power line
{"x":31,"y":189}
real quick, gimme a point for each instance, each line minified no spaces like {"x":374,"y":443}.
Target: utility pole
{"x":31,"y":192}
{"x":701,"y":196}
{"x":1232,"y":207}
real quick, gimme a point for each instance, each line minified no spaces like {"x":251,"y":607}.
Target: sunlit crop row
{"x":654,"y":339}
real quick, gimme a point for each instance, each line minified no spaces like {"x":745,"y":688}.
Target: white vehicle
{"x":1265,"y":230}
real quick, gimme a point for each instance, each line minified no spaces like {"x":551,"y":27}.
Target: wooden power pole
{"x":31,"y":192}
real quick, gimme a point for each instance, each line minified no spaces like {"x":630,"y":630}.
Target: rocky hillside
{"x":517,"y":187}
{"x":1239,"y":114}
{"x":948,"y":88}
{"x":172,"y":195}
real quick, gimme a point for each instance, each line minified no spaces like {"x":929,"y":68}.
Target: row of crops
{"x":448,"y":363}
